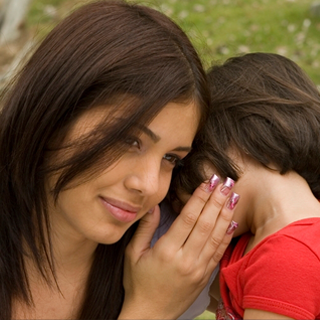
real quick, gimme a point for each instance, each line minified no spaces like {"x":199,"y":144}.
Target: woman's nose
{"x":145,"y":177}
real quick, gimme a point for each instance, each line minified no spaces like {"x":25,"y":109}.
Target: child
{"x":264,"y":132}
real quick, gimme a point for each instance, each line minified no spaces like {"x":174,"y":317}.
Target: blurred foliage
{"x":223,"y":28}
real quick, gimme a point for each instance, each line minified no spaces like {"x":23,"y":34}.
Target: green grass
{"x":206,"y":315}
{"x":223,"y":28}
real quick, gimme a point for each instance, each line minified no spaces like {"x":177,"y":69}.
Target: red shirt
{"x":280,"y":275}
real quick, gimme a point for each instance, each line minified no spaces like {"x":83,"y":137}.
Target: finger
{"x":223,"y":245}
{"x":141,"y":239}
{"x":214,"y":208}
{"x":187,"y":219}
{"x":220,"y":235}
{"x":216,"y":258}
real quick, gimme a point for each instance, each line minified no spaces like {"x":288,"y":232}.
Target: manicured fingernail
{"x":233,"y":226}
{"x":227,"y":186}
{"x":213,"y":182}
{"x":233,"y":200}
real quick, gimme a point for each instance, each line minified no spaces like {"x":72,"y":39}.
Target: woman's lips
{"x":120,"y":211}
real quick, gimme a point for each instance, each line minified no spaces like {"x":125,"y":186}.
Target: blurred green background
{"x":222,"y":28}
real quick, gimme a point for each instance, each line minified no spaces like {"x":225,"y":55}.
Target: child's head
{"x":264,"y":107}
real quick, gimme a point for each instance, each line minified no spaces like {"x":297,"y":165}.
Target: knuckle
{"x":202,"y":198}
{"x":226,"y":215}
{"x":192,"y":271}
{"x":225,"y":242}
{"x":217,"y":202}
{"x":203,"y":188}
{"x":214,"y":242}
{"x":205,"y":226}
{"x":186,"y":267}
{"x":218,"y":255}
{"x":198,"y":277}
{"x":187,"y":271}
{"x":166,"y":254}
{"x":189,"y":219}
{"x":201,"y":193}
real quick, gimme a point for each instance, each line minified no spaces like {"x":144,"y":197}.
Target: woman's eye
{"x":133,"y":142}
{"x":172,"y":159}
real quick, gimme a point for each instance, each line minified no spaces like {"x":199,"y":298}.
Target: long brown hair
{"x":129,"y":58}
{"x":265,"y":106}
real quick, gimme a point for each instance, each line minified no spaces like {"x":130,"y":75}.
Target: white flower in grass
{"x":198,"y":8}
{"x":306,"y":23}
{"x":50,"y":11}
{"x":243,"y":49}
{"x":183,"y":14}
{"x":282,"y":50}
{"x":166,"y":9}
{"x":291,"y":28}
{"x":300,"y":37}
{"x":210,"y":42}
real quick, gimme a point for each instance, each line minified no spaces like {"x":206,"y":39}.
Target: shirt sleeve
{"x":283,"y":276}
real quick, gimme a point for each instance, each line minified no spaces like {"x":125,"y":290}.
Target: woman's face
{"x":103,"y":208}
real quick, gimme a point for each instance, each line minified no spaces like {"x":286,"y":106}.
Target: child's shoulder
{"x":300,"y":238}
{"x":305,"y":231}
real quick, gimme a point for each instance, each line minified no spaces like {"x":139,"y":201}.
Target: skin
{"x":192,"y":248}
{"x":269,"y":202}
{"x":86,"y":214}
{"x":136,"y":182}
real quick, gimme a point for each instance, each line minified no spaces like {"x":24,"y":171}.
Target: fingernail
{"x":233,"y":226}
{"x":227,"y":186}
{"x":233,"y":200}
{"x":213,"y":182}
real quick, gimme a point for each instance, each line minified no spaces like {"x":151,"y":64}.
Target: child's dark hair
{"x":264,"y":106}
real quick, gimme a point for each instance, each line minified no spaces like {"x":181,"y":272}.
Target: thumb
{"x":148,"y":224}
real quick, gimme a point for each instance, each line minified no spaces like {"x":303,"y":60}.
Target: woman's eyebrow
{"x":155,"y":138}
{"x":186,"y":149}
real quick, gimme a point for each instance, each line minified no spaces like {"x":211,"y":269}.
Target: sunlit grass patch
{"x":206,"y":315}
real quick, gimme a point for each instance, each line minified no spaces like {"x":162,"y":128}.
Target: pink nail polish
{"x":213,"y":182}
{"x":233,"y":226}
{"x":227,"y":186}
{"x":233,"y":200}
